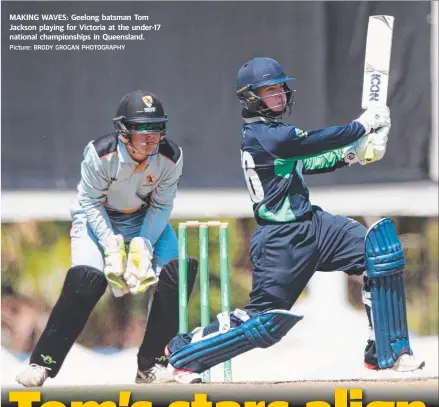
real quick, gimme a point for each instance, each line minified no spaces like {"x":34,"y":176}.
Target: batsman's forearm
{"x":299,"y":144}
{"x":325,"y":162}
{"x":329,"y":139}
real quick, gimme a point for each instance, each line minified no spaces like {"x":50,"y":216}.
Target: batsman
{"x":294,"y":238}
{"x":121,"y":238}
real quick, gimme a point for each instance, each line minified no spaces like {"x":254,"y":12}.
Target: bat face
{"x":377,"y":65}
{"x":377,"y":60}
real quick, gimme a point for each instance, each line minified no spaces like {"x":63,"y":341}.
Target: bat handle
{"x":369,"y":154}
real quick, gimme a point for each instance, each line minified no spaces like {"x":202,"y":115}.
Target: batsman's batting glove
{"x":139,"y":274}
{"x":115,"y":261}
{"x":374,"y":117}
{"x":377,"y":141}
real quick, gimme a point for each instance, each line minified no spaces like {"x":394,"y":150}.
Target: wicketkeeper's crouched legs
{"x":162,"y":323}
{"x":82,"y":289}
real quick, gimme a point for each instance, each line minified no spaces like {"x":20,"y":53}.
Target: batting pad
{"x":385,"y":265}
{"x":261,"y":331}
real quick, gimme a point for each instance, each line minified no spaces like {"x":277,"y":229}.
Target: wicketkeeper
{"x":121,"y":238}
{"x":295,"y":238}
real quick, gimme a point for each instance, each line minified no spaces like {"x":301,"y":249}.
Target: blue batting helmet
{"x":257,"y":73}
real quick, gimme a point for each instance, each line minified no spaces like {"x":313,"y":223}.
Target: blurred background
{"x":54,"y":103}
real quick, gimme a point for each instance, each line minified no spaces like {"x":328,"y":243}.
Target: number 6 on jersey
{"x":252,"y":180}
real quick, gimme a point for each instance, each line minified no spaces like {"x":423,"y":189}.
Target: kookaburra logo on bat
{"x":374,"y":90}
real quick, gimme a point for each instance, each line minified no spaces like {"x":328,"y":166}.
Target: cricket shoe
{"x":405,"y":363}
{"x":158,"y":373}
{"x":33,"y":376}
{"x":183,"y":376}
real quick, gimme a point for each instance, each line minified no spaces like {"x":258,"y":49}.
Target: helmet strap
{"x":255,"y":106}
{"x":126,"y":139}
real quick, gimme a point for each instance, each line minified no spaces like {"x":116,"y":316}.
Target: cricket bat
{"x":377,"y":64}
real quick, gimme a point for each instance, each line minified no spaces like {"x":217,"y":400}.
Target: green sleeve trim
{"x":325,"y":160}
{"x":283,"y":167}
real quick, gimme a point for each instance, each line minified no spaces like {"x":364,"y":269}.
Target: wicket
{"x":203,"y":243}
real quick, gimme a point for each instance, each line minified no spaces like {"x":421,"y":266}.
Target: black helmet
{"x":140,"y":112}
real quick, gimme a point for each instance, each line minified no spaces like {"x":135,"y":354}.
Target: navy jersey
{"x":274,"y":156}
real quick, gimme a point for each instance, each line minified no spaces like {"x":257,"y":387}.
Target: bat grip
{"x":369,"y":154}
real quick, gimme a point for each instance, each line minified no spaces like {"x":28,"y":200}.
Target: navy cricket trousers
{"x":285,"y":256}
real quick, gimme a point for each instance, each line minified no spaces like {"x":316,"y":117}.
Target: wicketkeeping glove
{"x":115,"y":261}
{"x":139,"y":274}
